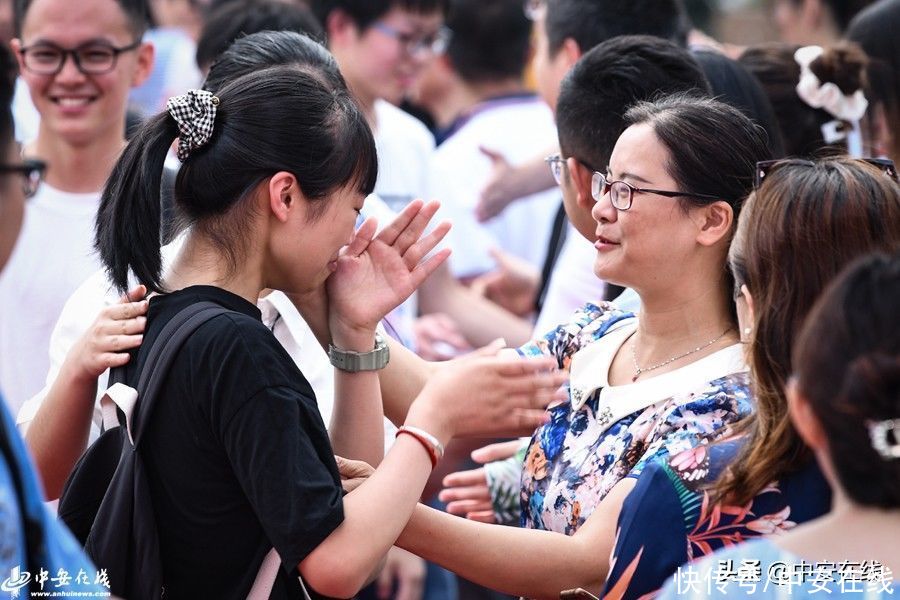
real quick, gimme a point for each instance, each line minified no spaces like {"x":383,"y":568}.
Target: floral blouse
{"x":669,"y":520}
{"x":605,"y":433}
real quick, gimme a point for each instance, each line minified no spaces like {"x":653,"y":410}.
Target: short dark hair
{"x":607,"y":80}
{"x":847,"y":363}
{"x":285,"y":118}
{"x":8,"y":72}
{"x":136,"y":11}
{"x":266,"y":49}
{"x":366,"y":12}
{"x":590,"y":22}
{"x":733,"y":84}
{"x":232,"y":20}
{"x":491,"y":39}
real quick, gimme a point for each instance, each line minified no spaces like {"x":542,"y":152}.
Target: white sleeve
{"x":79,"y":312}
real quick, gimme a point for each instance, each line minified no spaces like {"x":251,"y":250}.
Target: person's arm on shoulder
{"x":58,"y":434}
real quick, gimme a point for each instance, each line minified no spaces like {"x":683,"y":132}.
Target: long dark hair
{"x":799,"y":229}
{"x":285,"y":118}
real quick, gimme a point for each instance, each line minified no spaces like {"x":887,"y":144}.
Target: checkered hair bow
{"x":195,"y":113}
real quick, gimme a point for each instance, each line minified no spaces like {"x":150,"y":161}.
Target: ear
{"x":340,"y":28}
{"x":748,"y":298}
{"x":715,"y":223}
{"x":15,"y":45}
{"x":146,"y":54}
{"x":804,"y":419}
{"x":581,"y":180}
{"x":571,"y":52}
{"x":283,"y":195}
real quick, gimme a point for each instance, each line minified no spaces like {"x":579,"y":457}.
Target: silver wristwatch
{"x":347,"y":360}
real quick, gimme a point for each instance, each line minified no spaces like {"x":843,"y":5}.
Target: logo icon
{"x":16,"y":581}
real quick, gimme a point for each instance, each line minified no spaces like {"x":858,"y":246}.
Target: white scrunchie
{"x":827,"y":96}
{"x":195,"y":113}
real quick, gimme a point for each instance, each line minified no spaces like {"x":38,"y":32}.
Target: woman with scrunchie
{"x":805,"y":222}
{"x":844,"y":402}
{"x":275,"y":169}
{"x":818,"y":95}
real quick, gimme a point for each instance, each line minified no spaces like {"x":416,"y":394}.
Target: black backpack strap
{"x":162,"y":353}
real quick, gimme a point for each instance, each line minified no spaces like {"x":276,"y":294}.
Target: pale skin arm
{"x":480,"y":320}
{"x":378,"y":510}
{"x":389,"y":266}
{"x":58,"y":434}
{"x":509,"y":183}
{"x":516,"y":561}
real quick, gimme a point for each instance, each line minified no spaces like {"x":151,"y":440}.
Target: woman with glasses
{"x":641,"y":386}
{"x":803,"y":224}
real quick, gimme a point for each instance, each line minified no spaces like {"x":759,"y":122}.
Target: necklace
{"x":638,"y":370}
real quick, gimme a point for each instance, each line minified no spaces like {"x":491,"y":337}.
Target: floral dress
{"x":668,"y":519}
{"x":605,"y":433}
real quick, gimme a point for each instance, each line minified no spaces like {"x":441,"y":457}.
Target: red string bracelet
{"x":431,"y":444}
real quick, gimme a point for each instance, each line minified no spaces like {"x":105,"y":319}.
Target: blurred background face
{"x":378,"y":61}
{"x":74,"y":105}
{"x":12,"y":204}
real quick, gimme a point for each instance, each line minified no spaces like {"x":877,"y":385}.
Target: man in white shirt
{"x":79,"y":61}
{"x":477,"y":85}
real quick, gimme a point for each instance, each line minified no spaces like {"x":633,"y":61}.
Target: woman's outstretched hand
{"x":486,"y":394}
{"x":376,"y":273}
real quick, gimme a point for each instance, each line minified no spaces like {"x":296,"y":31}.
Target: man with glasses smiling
{"x":79,"y":61}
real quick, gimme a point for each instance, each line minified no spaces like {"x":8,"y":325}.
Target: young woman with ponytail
{"x":275,"y":168}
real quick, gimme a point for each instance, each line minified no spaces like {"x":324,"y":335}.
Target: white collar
{"x":589,"y":372}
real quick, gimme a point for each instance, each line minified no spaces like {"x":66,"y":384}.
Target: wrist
{"x":425,"y":415}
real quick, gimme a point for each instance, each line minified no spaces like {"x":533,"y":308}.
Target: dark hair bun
{"x":873,"y":381}
{"x":843,"y":64}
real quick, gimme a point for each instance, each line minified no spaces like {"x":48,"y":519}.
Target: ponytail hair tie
{"x":880,"y":433}
{"x":195,"y":113}
{"x":827,"y":96}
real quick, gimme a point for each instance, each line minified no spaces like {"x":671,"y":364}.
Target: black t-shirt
{"x":237,"y":455}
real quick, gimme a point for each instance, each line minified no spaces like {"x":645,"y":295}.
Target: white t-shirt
{"x":517,"y":127}
{"x":53,"y":255}
{"x":404,"y":147}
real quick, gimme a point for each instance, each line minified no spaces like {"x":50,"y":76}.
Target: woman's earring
{"x":748,"y":331}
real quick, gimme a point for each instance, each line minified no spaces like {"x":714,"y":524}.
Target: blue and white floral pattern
{"x":574,"y":460}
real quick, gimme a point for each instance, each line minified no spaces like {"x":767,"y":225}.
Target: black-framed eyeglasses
{"x":32,"y":172}
{"x":433,"y":43}
{"x":92,"y":58}
{"x":765,"y":168}
{"x":556,"y":163}
{"x":621,"y":194}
